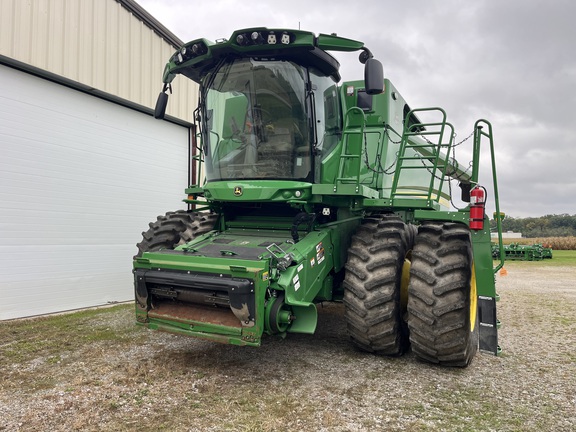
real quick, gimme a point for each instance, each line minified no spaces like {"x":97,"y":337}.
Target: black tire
{"x":442,"y":303}
{"x":372,"y":285}
{"x":175,"y":228}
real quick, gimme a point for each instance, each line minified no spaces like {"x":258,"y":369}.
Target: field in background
{"x":556,"y":243}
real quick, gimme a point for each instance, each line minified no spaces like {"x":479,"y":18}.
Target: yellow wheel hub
{"x":404,"y":280}
{"x":473,"y":299}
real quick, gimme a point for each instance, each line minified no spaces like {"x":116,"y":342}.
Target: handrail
{"x":345,"y":155}
{"x":478,"y":134}
{"x":431,"y":151}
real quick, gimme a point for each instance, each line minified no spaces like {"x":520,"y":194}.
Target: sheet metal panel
{"x":80,"y":179}
{"x":99,"y":43}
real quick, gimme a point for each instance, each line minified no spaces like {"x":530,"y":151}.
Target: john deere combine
{"x":312,"y":191}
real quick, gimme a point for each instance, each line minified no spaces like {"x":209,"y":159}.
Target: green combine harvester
{"x":311,"y":191}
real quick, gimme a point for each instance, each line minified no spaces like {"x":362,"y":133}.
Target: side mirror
{"x":373,"y":76}
{"x":160,"y":109}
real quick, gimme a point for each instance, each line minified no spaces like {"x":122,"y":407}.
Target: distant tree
{"x":563,"y":225}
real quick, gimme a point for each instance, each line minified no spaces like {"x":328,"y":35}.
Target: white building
{"x":83,"y":165}
{"x":507,"y":235}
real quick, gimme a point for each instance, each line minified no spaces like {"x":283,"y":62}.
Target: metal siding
{"x":80,"y":178}
{"x":95,"y":42}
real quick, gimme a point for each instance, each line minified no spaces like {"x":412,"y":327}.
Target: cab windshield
{"x":255,"y":121}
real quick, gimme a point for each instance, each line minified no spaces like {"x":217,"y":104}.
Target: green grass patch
{"x":560,"y":258}
{"x":51,"y":336}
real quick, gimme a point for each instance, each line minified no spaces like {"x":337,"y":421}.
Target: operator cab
{"x":269,"y":104}
{"x":265,"y":119}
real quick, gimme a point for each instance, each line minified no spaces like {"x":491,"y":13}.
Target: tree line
{"x":563,"y":225}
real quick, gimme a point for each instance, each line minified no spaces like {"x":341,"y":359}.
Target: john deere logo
{"x":237,"y":191}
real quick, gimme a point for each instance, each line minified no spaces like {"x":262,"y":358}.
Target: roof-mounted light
{"x":180,"y":56}
{"x":189,"y":52}
{"x":241,"y":39}
{"x":270,"y":37}
{"x":256,"y":38}
{"x":277,"y":37}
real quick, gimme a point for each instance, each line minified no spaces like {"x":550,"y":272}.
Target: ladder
{"x":354,"y":142}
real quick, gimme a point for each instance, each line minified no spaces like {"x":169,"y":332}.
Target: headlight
{"x":272,"y":37}
{"x":189,"y":52}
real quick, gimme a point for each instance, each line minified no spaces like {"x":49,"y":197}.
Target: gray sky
{"x":512,"y":62}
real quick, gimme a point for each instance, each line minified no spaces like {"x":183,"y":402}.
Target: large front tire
{"x":174,"y":229}
{"x":442,"y":305}
{"x":372,"y":286}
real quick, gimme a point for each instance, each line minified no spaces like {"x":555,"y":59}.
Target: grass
{"x":560,"y":258}
{"x":51,"y":336}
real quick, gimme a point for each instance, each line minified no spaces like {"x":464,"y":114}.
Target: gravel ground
{"x":135,"y":379}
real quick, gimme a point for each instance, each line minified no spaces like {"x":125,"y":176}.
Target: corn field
{"x":556,"y":243}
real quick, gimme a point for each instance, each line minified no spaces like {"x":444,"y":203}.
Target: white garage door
{"x":80,"y":178}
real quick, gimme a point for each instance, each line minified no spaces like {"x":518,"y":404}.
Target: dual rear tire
{"x":440,"y":320}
